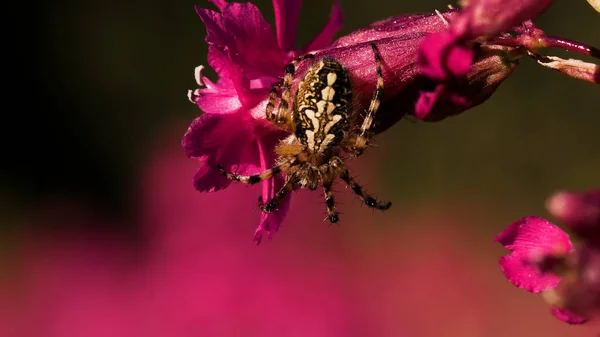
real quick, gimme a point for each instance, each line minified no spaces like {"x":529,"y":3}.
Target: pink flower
{"x":493,"y":27}
{"x":532,"y":241}
{"x":543,"y":259}
{"x":232,"y":131}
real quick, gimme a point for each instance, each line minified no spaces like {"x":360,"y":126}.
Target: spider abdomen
{"x":321,"y":111}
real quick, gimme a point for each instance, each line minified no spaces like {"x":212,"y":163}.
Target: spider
{"x":321,"y":127}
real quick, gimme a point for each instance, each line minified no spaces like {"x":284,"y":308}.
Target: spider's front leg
{"x":327,"y":178}
{"x":253,"y":179}
{"x":361,"y":141}
{"x":283,"y":118}
{"x":272,"y":204}
{"x":368,"y":199}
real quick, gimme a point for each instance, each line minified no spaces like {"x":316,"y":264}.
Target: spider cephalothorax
{"x":321,"y":122}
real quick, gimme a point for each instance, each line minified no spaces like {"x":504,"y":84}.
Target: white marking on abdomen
{"x":321,"y":106}
{"x":328,"y":138}
{"x":331,"y":123}
{"x":310,"y":139}
{"x":330,"y":108}
{"x":315,"y":122}
{"x":327,"y":93}
{"x":331,"y":77}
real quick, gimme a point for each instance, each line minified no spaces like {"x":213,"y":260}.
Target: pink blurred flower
{"x":178,"y":274}
{"x":490,"y":27}
{"x":543,"y":259}
{"x":578,"y":210}
{"x":531,"y":241}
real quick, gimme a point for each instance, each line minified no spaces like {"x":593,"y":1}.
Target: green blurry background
{"x":99,"y":84}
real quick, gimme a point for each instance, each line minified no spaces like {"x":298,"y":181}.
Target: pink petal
{"x":209,"y":179}
{"x":232,"y":89}
{"x":335,"y":23}
{"x":525,"y":275}
{"x":270,"y":222}
{"x":397,"y":26}
{"x":443,"y":57}
{"x":578,"y":210}
{"x":530,"y":240}
{"x":242,"y":34}
{"x":567,"y":316}
{"x":221,"y":4}
{"x":532,"y":234}
{"x":441,"y":95}
{"x":287,"y":13}
{"x":220,"y":98}
{"x":491,"y":17}
{"x":228,"y":140}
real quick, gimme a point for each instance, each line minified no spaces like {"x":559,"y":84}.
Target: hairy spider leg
{"x":272,"y":99}
{"x":283,"y":116}
{"x":272,"y":204}
{"x":264,"y":175}
{"x":332,"y":212}
{"x":363,"y":138}
{"x":367,"y":199}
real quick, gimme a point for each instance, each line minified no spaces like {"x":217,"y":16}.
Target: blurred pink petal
{"x":567,"y":316}
{"x":578,"y":210}
{"x":530,"y":240}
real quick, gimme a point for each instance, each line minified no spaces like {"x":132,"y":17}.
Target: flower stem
{"x":532,"y":43}
{"x":566,"y":44}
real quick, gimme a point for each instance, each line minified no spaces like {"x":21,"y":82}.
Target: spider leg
{"x":272,"y":100}
{"x":332,"y":213}
{"x":272,"y":204}
{"x":362,"y":140}
{"x":283,"y":112}
{"x":369,"y":200}
{"x":266,"y":174}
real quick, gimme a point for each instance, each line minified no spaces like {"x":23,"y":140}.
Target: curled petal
{"x":530,"y":241}
{"x":441,"y":58}
{"x":442,"y":95}
{"x":287,"y":13}
{"x":567,"y":316}
{"x":581,"y":70}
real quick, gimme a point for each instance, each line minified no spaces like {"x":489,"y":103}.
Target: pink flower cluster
{"x":544,"y":260}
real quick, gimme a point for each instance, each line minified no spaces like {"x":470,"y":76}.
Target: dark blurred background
{"x":96,"y":86}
